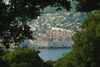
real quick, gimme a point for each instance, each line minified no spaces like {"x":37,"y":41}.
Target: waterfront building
{"x":47,"y":44}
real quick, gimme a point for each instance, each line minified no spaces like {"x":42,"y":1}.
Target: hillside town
{"x":55,"y":34}
{"x":56,"y":26}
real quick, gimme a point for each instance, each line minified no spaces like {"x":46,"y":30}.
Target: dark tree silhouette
{"x":87,"y":5}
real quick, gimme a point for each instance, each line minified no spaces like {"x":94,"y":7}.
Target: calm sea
{"x":53,"y":54}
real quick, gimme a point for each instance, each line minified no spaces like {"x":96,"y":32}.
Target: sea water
{"x":53,"y":53}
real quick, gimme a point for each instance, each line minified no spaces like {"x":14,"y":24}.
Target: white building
{"x":47,"y":44}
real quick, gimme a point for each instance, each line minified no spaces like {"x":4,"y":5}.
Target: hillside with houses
{"x":65,"y":24}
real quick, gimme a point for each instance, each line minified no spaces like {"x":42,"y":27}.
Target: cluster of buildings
{"x":49,"y":26}
{"x":65,"y":20}
{"x":55,"y":34}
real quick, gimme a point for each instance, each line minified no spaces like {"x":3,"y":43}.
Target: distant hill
{"x":53,"y":9}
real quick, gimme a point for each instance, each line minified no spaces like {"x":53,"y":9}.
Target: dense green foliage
{"x":65,"y":61}
{"x":86,"y":47}
{"x":87,"y":5}
{"x":48,"y":63}
{"x":87,"y":42}
{"x":19,"y":57}
{"x":23,"y":58}
{"x":2,"y":62}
